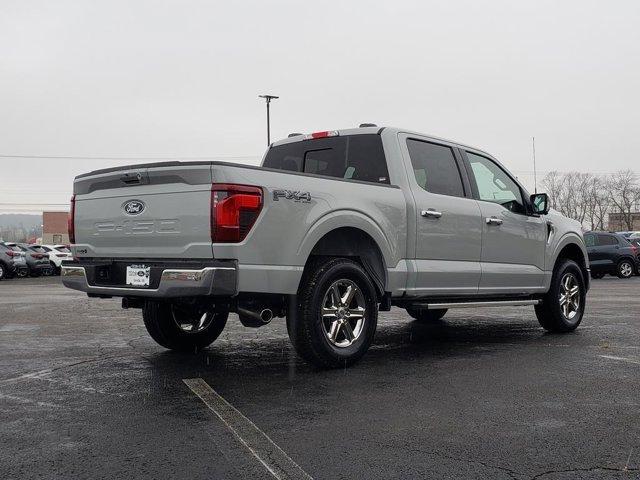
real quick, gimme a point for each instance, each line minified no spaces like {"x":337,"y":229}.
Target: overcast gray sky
{"x":91,"y":78}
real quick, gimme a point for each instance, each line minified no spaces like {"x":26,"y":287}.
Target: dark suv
{"x":11,"y":262}
{"x":611,"y":253}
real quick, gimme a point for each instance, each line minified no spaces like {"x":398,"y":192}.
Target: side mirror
{"x":540,"y":203}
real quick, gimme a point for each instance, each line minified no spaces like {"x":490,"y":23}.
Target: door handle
{"x":494,"y":221}
{"x":430,"y":212}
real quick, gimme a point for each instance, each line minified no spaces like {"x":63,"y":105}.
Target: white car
{"x":57,"y":253}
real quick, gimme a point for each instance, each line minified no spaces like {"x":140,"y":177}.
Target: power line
{"x":34,"y":204}
{"x":127,"y":157}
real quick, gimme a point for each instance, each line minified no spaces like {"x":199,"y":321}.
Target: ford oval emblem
{"x":133,"y":207}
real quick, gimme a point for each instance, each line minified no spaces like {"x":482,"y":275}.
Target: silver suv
{"x":333,"y":227}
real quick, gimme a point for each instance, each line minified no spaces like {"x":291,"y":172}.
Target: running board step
{"x":493,"y":303}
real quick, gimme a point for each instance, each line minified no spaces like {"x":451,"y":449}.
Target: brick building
{"x":617,"y":223}
{"x":54,"y":228}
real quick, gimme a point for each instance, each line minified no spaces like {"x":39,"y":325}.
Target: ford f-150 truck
{"x":331,"y":228}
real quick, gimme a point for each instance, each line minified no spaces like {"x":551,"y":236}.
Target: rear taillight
{"x":234,"y":210}
{"x":12,"y":254}
{"x":71,"y":219}
{"x":37,"y":256}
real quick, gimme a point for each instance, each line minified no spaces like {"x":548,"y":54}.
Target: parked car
{"x":12,"y":263}
{"x":57,"y":253}
{"x":611,"y":253}
{"x":636,"y":243}
{"x":334,"y":226}
{"x":37,"y":263}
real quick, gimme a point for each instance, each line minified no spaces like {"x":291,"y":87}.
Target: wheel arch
{"x":572,"y":248}
{"x":355,"y":243}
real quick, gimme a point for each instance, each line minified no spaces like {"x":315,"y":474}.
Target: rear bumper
{"x":168,"y":280}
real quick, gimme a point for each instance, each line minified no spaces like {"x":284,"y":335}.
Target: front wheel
{"x":183,"y":326}
{"x":336,"y":315}
{"x":563,"y":305}
{"x":625,"y":269}
{"x":3,"y":272}
{"x":55,"y":270}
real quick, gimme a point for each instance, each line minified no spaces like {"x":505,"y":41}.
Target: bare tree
{"x":553,"y":185}
{"x":584,"y":197}
{"x":624,"y":194}
{"x":597,"y":202}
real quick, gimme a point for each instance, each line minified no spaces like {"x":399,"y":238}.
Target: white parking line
{"x":270,"y":455}
{"x":621,"y":359}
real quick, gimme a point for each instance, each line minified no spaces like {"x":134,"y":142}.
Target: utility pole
{"x":268,"y":99}
{"x":535,"y":175}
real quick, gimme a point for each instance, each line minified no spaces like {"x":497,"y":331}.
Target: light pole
{"x":268,"y":99}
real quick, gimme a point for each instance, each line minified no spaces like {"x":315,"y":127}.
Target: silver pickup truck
{"x":333,"y":227}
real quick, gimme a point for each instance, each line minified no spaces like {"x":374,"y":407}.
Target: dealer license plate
{"x":138,"y":275}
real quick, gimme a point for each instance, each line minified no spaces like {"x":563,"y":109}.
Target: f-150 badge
{"x":291,"y":195}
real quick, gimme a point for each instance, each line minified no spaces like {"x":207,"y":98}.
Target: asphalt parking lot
{"x":85,"y":393}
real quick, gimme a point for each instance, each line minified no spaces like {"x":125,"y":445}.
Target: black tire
{"x":625,"y":268}
{"x":161,"y":320}
{"x":426,"y":316}
{"x":34,"y":273}
{"x":308,"y":329}
{"x":551,"y":315}
{"x":4,"y":272}
{"x":597,"y":276}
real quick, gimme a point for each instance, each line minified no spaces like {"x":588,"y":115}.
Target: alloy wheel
{"x":343,"y":313}
{"x":569,"y":296}
{"x":626,"y":269}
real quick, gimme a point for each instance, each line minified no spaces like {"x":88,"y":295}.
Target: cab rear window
{"x":354,"y":157}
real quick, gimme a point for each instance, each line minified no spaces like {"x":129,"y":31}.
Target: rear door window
{"x":604,"y":240}
{"x":353,"y":157}
{"x":435,"y":168}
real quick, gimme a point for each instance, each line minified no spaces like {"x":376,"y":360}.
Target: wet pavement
{"x":85,"y":393}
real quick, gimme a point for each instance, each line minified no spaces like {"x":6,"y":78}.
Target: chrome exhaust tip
{"x":255,"y":318}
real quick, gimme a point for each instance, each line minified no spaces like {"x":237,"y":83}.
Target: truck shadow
{"x":261,"y":359}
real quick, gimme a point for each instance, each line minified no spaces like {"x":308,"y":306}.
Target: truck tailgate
{"x":160,"y":211}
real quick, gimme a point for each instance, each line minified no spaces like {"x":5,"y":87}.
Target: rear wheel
{"x":427,"y":316}
{"x":183,"y":326}
{"x":563,"y":305}
{"x":336,"y":315}
{"x":3,"y":272}
{"x":625,"y":268}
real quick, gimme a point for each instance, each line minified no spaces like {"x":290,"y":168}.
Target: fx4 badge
{"x":296,"y":196}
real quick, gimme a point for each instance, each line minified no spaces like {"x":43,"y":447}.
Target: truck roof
{"x":378,"y":130}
